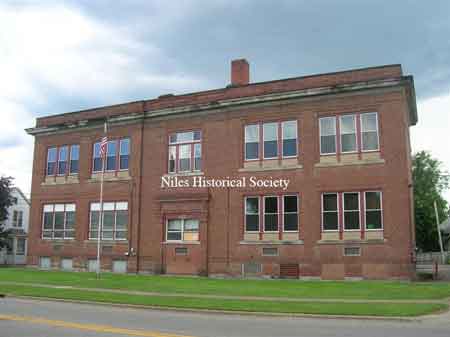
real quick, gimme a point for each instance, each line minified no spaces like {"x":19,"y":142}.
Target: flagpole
{"x":100,"y":224}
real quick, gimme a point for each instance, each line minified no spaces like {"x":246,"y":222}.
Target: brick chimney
{"x":240,"y":74}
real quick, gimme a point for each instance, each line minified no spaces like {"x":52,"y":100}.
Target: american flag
{"x":103,"y":145}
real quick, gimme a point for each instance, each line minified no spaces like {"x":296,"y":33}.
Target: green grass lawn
{"x":360,"y":309}
{"x":275,"y":288}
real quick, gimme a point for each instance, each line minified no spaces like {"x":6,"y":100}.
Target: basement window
{"x":269,"y":251}
{"x":352,"y":251}
{"x":181,"y":251}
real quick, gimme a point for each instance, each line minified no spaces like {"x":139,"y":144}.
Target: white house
{"x":17,"y":222}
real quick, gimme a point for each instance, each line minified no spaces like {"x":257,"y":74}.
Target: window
{"x":117,"y":156}
{"x":63,"y":160}
{"x":373,"y":216}
{"x":273,"y":140}
{"x":74,"y":159}
{"x":270,"y":214}
{"x":290,"y":213}
{"x":352,"y":251}
{"x":20,"y":248}
{"x":270,"y":135}
{"x":351,"y":211}
{"x":327,"y":126}
{"x":269,"y":251}
{"x":51,"y":161}
{"x":182,"y":230}
{"x":66,"y":264}
{"x":251,"y":142}
{"x":115,"y":221}
{"x":348,"y":133}
{"x":17,"y":218}
{"x":251,"y":214}
{"x":289,"y":130}
{"x":181,"y":251}
{"x":330,"y":212}
{"x":185,"y":152}
{"x":58,"y":221}
{"x":369,"y":131}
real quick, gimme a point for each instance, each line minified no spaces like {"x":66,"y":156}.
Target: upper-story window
{"x":117,"y":156}
{"x":58,"y":221}
{"x":185,"y":152}
{"x":63,"y":160}
{"x":17,"y":218}
{"x":279,"y":140}
{"x":349,"y":133}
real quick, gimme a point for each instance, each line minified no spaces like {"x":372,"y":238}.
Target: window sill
{"x":354,"y":241}
{"x":255,"y":167}
{"x":108,"y":242}
{"x":367,"y":158}
{"x":60,"y":180}
{"x":184,"y":174}
{"x":110,"y":176}
{"x":181,"y":242}
{"x":272,"y":242}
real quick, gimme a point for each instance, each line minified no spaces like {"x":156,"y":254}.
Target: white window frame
{"x":245,"y":142}
{"x":381,"y":210}
{"x":264,"y":213}
{"x":335,"y":136}
{"x":53,"y":223}
{"x":69,"y":169}
{"x":355,"y":133}
{"x":121,"y":155}
{"x":101,"y":217}
{"x":337,"y":211}
{"x":296,"y":138}
{"x":177,"y":144}
{"x":344,"y":210}
{"x":182,"y":230}
{"x":277,"y":140}
{"x":361,"y":131}
{"x":258,"y":212}
{"x":283,"y":213}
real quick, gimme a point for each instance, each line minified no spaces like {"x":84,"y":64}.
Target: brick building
{"x":181,"y":169}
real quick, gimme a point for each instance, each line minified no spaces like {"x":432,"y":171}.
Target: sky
{"x":60,"y":56}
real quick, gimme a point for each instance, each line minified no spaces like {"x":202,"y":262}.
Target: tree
{"x":430,"y":181}
{"x":6,"y":200}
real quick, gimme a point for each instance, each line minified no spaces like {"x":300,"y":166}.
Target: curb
{"x":229,"y":312}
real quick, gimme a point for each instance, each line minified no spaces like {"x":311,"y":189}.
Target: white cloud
{"x":432,"y":131}
{"x":49,"y":52}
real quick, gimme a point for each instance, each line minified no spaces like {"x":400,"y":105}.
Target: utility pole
{"x":439,"y":233}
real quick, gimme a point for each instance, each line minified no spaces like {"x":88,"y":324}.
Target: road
{"x":32,"y":318}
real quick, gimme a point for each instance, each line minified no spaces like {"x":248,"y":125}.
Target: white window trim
{"x":344,"y":210}
{"x":283,"y":213}
{"x":53,"y":161}
{"x":245,"y":213}
{"x":186,"y":141}
{"x":296,"y":139}
{"x":361,"y":131}
{"x":53,"y":223}
{"x":264,"y":213}
{"x":120,"y":154}
{"x":355,"y":133}
{"x":114,"y":230}
{"x":182,"y":231}
{"x":381,"y":210}
{"x":177,"y":146}
{"x":277,"y":140}
{"x":335,"y":136}
{"x":59,"y":148}
{"x":259,"y":141}
{"x":69,"y":167}
{"x":337,"y":211}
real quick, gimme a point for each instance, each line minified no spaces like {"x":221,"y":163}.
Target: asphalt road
{"x":23,"y":317}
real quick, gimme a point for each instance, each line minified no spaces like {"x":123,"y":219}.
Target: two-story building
{"x":304,"y":177}
{"x":17,"y":224}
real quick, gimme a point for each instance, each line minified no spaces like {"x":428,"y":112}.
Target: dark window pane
{"x":351,"y":201}
{"x":93,"y":234}
{"x":251,"y":150}
{"x":252,"y":223}
{"x":124,"y":162}
{"x":271,"y":222}
{"x":291,"y":222}
{"x":62,"y":167}
{"x":174,"y":236}
{"x":70,"y":220}
{"x":373,"y":219}
{"x":197,"y":135}
{"x":197,"y":157}
{"x":173,"y":138}
{"x":121,"y":235}
{"x":289,"y":147}
{"x":122,"y":219}
{"x":351,"y":220}
{"x":327,"y":144}
{"x":290,"y":203}
{"x":69,"y":234}
{"x":271,"y":205}
{"x":373,"y":200}
{"x":348,"y":142}
{"x":59,"y":220}
{"x":270,"y":149}
{"x":185,"y":164}
{"x":330,"y":202}
{"x":107,"y":234}
{"x":330,"y":221}
{"x":108,"y":220}
{"x":252,"y":205}
{"x":110,"y":163}
{"x":48,"y":221}
{"x":370,"y":141}
{"x":47,"y":234}
{"x":74,"y":166}
{"x":51,"y":168}
{"x":58,"y":234}
{"x":97,"y":164}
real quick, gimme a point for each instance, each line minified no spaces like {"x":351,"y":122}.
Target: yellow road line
{"x":90,"y":327}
